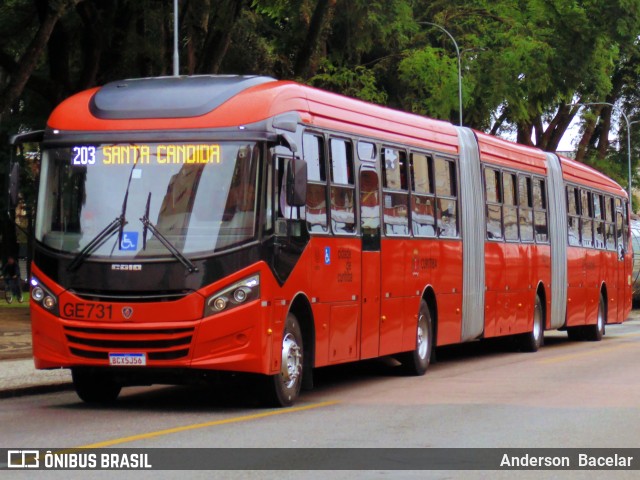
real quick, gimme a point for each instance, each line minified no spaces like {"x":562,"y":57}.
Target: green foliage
{"x":521,"y":59}
{"x":431,"y":81}
{"x":359,"y":82}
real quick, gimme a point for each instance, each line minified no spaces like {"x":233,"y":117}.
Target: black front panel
{"x":145,"y":279}
{"x":162,"y":279}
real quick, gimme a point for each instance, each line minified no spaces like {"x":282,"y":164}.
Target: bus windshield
{"x":200,"y":197}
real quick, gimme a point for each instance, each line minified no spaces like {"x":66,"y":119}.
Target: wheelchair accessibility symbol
{"x":129,"y":241}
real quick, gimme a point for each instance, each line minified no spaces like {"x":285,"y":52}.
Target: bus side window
{"x":509,"y":209}
{"x":625,"y":224}
{"x":620,"y":239}
{"x":395,"y":188}
{"x":313,"y":151}
{"x":525,"y":208}
{"x":366,"y":151}
{"x":423,"y":199}
{"x":446,"y":198}
{"x":342,"y":187}
{"x":493,"y":186}
{"x":573,"y":219}
{"x":540,"y":211}
{"x":586,"y":230}
{"x":610,"y":224}
{"x":599,"y":225}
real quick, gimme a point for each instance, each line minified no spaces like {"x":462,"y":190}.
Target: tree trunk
{"x":499,"y":122}
{"x":57,"y":55}
{"x":29,"y":59}
{"x":93,"y":39}
{"x":219,"y":35}
{"x":305,"y":55}
{"x":556,"y":129}
{"x":524,"y":134}
{"x":538,"y":131}
{"x":196,"y":25}
{"x":605,"y":129}
{"x":586,"y":138}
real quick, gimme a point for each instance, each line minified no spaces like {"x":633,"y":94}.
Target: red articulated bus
{"x":191,"y":225}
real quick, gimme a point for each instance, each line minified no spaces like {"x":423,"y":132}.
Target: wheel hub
{"x":422,"y":340}
{"x":291,"y":360}
{"x":537,"y":322}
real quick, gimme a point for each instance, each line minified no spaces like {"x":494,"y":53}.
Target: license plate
{"x":127,"y":359}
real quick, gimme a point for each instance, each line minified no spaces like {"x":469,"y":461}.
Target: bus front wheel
{"x":95,"y":387}
{"x":283,"y":389}
{"x":417,"y":361}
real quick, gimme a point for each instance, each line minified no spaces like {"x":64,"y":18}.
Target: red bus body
{"x":352,"y":302}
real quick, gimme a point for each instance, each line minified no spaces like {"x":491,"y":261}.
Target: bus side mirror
{"x":14,"y":184}
{"x":297,"y":183}
{"x":17,"y":142}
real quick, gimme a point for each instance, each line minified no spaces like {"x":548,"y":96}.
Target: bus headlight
{"x":37,"y":294}
{"x":218,"y":304}
{"x":240,"y":294}
{"x":237,"y":294}
{"x":43,"y":296}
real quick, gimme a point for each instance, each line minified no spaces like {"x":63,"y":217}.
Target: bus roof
{"x":503,"y":153}
{"x":229,"y":101}
{"x":577,"y":172}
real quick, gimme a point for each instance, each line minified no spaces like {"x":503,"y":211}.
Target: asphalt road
{"x":569,"y":394}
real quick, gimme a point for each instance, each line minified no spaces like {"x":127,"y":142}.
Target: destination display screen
{"x":147,"y":154}
{"x":201,"y":197}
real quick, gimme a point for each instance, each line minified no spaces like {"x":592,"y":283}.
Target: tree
{"x":20,"y":74}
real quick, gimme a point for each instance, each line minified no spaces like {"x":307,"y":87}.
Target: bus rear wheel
{"x":594,"y":333}
{"x":417,"y":361}
{"x":532,"y":341}
{"x":283,"y":389}
{"x":95,"y":387}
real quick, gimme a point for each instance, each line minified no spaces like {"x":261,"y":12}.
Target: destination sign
{"x":160,"y":154}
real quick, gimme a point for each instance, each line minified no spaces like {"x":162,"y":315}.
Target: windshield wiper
{"x":102,"y":236}
{"x":97,"y":241}
{"x":148,"y":225}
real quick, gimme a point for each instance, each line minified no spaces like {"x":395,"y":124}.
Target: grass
{"x":15,"y":304}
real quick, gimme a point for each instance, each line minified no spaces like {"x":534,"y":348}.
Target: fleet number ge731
{"x":97,"y":311}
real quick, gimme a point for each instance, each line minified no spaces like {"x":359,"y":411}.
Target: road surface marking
{"x":215,"y":423}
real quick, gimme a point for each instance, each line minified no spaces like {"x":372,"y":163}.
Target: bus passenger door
{"x":370,"y":226}
{"x":624,"y":256}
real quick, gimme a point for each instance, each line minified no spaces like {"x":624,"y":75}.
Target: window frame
{"x":350,"y":142}
{"x":430,"y":196}
{"x":497,"y":178}
{"x":455,"y":183}
{"x":528,"y":208}
{"x":544,"y":208}
{"x":325,"y":184}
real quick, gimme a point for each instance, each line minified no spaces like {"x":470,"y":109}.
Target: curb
{"x":35,"y":390}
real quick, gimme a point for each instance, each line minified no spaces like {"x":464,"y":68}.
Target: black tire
{"x":532,"y":341}
{"x":283,"y":389}
{"x":21,"y":297}
{"x":95,"y":387}
{"x":594,"y":333}
{"x":8,"y":296}
{"x":417,"y":361}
